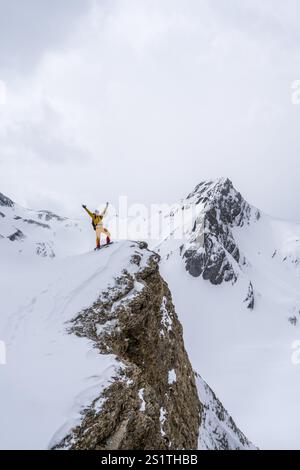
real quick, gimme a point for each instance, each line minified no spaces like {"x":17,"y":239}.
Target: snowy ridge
{"x":58,"y":374}
{"x":218,"y":431}
{"x":39,"y":232}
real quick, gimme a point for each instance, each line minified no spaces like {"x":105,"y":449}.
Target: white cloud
{"x":150,"y":97}
{"x":29,"y":28}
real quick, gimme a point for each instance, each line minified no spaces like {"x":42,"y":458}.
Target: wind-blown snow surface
{"x":246,"y":355}
{"x":50,"y":375}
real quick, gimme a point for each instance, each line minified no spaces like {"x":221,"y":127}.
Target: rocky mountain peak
{"x":212,"y":251}
{"x":211,"y":184}
{"x":5,"y":201}
{"x":222,"y":196}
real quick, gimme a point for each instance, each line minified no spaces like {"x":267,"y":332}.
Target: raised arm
{"x":89,"y":212}
{"x":103,"y":213}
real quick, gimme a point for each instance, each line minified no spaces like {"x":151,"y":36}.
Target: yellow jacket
{"x":97,"y":219}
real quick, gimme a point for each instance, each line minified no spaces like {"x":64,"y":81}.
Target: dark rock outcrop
{"x":250,"y":299}
{"x":17,"y":236}
{"x":5,"y":201}
{"x":34,"y":222}
{"x":213,"y":252}
{"x":48,"y":216}
{"x":153,"y":401}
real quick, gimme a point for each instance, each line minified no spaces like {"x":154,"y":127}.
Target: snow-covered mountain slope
{"x":50,"y":375}
{"x":235,"y":282}
{"x":218,"y":431}
{"x":95,"y":355}
{"x":39,"y":232}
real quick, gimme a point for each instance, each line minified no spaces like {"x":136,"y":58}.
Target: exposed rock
{"x":5,"y":201}
{"x":17,"y":236}
{"x":45,"y":250}
{"x":153,"y":401}
{"x":293,"y":320}
{"x":212,"y":252}
{"x":2,"y":215}
{"x":250,"y":300}
{"x":48,"y":215}
{"x":34,"y":222}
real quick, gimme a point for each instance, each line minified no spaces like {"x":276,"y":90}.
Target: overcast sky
{"x":146,"y":98}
